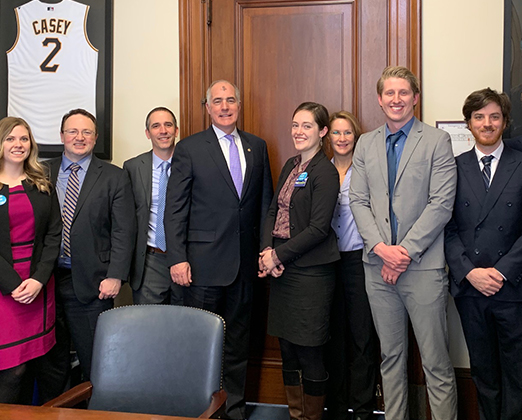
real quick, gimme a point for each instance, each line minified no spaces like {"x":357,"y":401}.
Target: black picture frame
{"x":100,"y":32}
{"x":512,"y":70}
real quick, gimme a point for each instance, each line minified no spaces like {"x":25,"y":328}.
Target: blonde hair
{"x":34,"y":172}
{"x":354,"y":122}
{"x":398,"y":72}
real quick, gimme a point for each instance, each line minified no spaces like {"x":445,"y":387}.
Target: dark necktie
{"x":392,"y":175}
{"x":69,"y":205}
{"x":235,"y":164}
{"x":162,"y":195}
{"x":486,"y":172}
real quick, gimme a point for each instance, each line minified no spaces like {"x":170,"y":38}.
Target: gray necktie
{"x":486,"y":172}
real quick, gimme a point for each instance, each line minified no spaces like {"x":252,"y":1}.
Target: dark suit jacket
{"x":206,"y":223}
{"x":312,"y":239}
{"x":514,"y":143}
{"x":103,"y":231}
{"x":486,"y":228}
{"x":139,"y":169}
{"x":48,"y":229}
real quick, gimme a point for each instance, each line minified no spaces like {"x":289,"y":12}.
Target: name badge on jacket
{"x":301,"y":180}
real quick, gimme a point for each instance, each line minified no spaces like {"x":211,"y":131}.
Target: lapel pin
{"x":249,"y":149}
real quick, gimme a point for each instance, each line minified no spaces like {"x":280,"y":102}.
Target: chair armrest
{"x":72,"y":397}
{"x":216,"y":406}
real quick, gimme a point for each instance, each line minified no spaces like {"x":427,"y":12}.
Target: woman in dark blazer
{"x":30,"y":232}
{"x":299,"y":251}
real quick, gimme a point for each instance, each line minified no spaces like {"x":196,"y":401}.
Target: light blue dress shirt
{"x":348,"y":238}
{"x":153,"y":216}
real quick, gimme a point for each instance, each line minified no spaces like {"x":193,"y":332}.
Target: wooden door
{"x":281,"y":53}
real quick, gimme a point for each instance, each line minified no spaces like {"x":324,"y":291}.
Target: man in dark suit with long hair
{"x":483,"y":246}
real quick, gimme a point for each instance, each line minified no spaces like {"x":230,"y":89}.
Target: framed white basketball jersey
{"x":52,"y":66}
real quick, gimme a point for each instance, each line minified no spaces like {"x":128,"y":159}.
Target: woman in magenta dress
{"x":30,"y":229}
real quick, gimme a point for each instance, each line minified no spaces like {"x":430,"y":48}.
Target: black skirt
{"x":300,"y":302}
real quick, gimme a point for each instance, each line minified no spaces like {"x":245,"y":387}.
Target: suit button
{"x":509,"y":203}
{"x":292,"y":227}
{"x":478,"y":228}
{"x":466,"y":203}
{"x":500,"y":228}
{"x":291,"y":206}
{"x":386,"y":219}
{"x":500,"y":253}
{"x":477,"y":252}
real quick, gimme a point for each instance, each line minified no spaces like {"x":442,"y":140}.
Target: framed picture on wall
{"x":58,"y":58}
{"x":512,"y":74}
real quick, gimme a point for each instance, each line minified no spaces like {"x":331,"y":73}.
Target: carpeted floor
{"x":259,"y":411}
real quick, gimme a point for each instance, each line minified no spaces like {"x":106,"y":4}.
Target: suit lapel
{"x":412,"y":141}
{"x":505,"y":170}
{"x":92,"y":175}
{"x":216,"y":153}
{"x":145,"y":175}
{"x":471,"y":171}
{"x":54,"y":168}
{"x":249,"y":158}
{"x":381,"y":153}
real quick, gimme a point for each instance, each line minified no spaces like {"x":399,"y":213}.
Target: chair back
{"x":156,"y":359}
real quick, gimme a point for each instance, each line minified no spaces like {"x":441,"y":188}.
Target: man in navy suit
{"x":218,"y":194}
{"x":483,"y":246}
{"x":150,"y":277}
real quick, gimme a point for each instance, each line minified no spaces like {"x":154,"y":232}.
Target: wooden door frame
{"x":195,"y":17}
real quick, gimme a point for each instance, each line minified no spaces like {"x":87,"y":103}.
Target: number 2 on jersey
{"x":57,"y":47}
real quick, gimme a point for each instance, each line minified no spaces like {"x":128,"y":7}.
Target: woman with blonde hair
{"x":30,"y":234}
{"x":353,"y":350}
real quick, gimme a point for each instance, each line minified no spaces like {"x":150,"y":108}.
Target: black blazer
{"x":312,"y":239}
{"x":486,"y":228}
{"x":103,"y":230}
{"x":139,"y":169}
{"x":206,"y":223}
{"x":48,"y":228}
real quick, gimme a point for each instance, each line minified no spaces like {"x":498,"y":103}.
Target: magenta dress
{"x":26,"y":331}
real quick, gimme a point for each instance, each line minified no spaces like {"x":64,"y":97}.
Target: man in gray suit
{"x":150,"y":277}
{"x":402,"y":193}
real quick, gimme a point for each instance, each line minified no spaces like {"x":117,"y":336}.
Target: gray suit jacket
{"x":139,"y":169}
{"x":423,"y":196}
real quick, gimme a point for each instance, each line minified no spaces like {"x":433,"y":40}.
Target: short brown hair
{"x":481,"y":98}
{"x":79,"y":111}
{"x":158,"y":109}
{"x":400,"y":73}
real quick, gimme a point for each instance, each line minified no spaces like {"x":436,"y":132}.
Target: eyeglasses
{"x":74,"y":133}
{"x":336,"y":133}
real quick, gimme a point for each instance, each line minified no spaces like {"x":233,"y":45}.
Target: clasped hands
{"x":267,"y":265}
{"x":395,"y":260}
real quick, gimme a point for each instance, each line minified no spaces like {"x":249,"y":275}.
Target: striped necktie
{"x":162,"y":195}
{"x":235,"y":165}
{"x":69,"y":205}
{"x":486,"y":171}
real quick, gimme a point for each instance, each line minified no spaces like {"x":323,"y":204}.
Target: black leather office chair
{"x":155,"y":359}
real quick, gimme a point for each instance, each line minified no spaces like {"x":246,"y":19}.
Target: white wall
{"x":462,"y":50}
{"x":146,"y":70}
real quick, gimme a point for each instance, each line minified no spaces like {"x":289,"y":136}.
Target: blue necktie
{"x":486,"y":171}
{"x":392,"y":175}
{"x":235,"y":165}
{"x":69,"y":206}
{"x":162,"y":195}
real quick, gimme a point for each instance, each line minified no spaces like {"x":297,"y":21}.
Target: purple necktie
{"x":235,"y":164}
